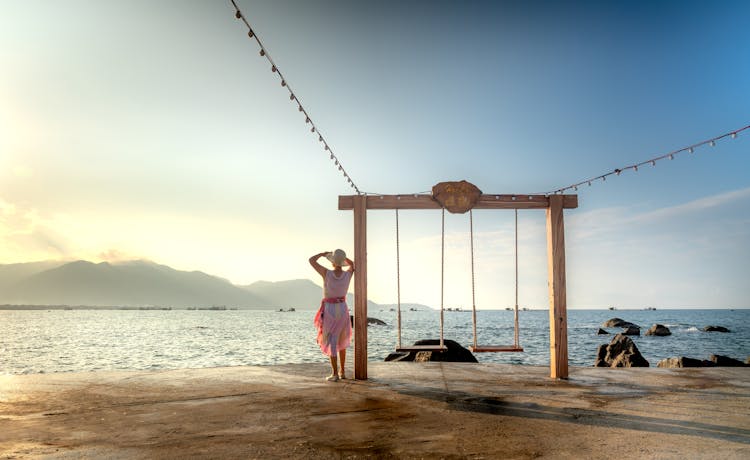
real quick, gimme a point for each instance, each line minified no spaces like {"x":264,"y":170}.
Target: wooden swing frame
{"x":552,"y":204}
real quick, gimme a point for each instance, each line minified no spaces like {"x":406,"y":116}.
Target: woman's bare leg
{"x":333,"y":364}
{"x":342,"y":358}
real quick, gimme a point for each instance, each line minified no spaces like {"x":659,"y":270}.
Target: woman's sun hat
{"x":337,"y":257}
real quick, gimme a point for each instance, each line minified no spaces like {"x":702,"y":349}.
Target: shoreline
{"x":404,"y":410}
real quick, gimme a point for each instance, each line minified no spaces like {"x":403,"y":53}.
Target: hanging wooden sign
{"x":456,"y":197}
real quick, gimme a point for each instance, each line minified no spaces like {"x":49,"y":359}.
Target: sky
{"x":155,"y":130}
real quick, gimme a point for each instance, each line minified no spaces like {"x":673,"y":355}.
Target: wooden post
{"x":360,"y":287}
{"x":558,"y":316}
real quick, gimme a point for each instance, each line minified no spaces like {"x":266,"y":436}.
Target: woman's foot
{"x":342,"y":375}
{"x":332,"y":378}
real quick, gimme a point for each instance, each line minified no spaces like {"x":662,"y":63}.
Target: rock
{"x":747,"y":361}
{"x":370,"y":321}
{"x":601,"y":332}
{"x":621,"y":352}
{"x":658,"y":330}
{"x":617,"y":322}
{"x":455,"y":353}
{"x":726,"y":361}
{"x":682,"y":361}
{"x":396,"y":356}
{"x":715,"y":329}
{"x":632,"y":330}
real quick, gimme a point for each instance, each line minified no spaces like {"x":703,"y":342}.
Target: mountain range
{"x":144,"y":283}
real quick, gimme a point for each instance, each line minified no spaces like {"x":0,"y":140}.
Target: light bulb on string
{"x":734,"y":135}
{"x":299,"y":108}
{"x":262,"y":52}
{"x":307,"y":119}
{"x":291,"y":96}
{"x":589,"y":183}
{"x":238,"y":15}
{"x":283,"y":83}
{"x":332,"y":156}
{"x":671,"y":156}
{"x":320,"y":138}
{"x":691,"y":150}
{"x":274,"y":69}
{"x":712,"y":143}
{"x":635,"y":168}
{"x":618,"y":171}
{"x":327,"y":147}
{"x":653,"y":162}
{"x":312,"y":130}
{"x":250,"y":33}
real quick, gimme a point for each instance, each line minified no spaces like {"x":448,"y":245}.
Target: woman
{"x":332,"y":320}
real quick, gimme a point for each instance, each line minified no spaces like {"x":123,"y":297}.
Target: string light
{"x":634,"y":167}
{"x":292,"y":97}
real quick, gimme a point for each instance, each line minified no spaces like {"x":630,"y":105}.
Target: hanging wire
{"x":294,"y":98}
{"x":652,"y":161}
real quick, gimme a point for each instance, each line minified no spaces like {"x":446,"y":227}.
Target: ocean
{"x":47,"y":341}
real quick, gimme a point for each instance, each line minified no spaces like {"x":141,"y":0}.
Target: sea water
{"x":45,"y":341}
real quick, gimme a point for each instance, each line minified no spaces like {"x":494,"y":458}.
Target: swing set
{"x":461,"y":197}
{"x":516,"y":347}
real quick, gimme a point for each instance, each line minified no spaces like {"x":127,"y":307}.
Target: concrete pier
{"x":405,"y":410}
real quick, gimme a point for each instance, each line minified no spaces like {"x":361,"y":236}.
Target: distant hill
{"x":144,"y":283}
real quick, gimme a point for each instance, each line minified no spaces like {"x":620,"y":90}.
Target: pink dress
{"x":332,"y":320}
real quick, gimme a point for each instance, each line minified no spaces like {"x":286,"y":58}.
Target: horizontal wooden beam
{"x":423,"y":201}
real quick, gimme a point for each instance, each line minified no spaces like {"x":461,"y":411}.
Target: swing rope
{"x":398,"y":280}
{"x":475,"y":347}
{"x":473,"y":301}
{"x":442,"y":275}
{"x":399,"y":346}
{"x":515,"y":319}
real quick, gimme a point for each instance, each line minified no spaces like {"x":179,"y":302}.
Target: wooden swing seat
{"x":422,"y":348}
{"x":495,"y":348}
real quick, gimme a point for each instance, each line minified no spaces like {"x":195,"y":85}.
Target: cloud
{"x":25,"y":235}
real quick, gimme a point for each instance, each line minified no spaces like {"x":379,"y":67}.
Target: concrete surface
{"x":405,"y":410}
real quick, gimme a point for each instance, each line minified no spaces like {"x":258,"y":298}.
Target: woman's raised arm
{"x":314,"y":262}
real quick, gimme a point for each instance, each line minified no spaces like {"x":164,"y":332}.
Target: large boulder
{"x":726,"y":361}
{"x":715,"y":329}
{"x":658,"y":330}
{"x":455,"y":353}
{"x":370,"y":321}
{"x":617,"y":322}
{"x":632,"y":330}
{"x":620,"y":352}
{"x":682,"y":361}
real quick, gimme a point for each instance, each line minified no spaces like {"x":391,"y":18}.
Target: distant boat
{"x":650,"y":308}
{"x":612,"y":308}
